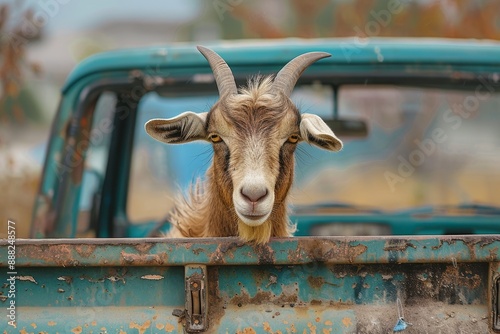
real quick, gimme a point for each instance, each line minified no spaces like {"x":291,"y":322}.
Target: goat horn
{"x":287,"y":78}
{"x":222,"y":73}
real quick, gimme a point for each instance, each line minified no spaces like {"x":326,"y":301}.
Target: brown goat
{"x":254,"y":133}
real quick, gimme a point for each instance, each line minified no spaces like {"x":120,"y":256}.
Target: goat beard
{"x":255,"y":234}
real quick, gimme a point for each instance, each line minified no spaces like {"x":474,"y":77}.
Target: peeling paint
{"x":347,"y":321}
{"x":312,"y":328}
{"x":77,"y":330}
{"x":132,"y":258}
{"x":153,"y":277}
{"x":27,"y":278}
{"x":115,"y":278}
{"x":67,"y":279}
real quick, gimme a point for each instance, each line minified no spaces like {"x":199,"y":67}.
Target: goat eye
{"x":215,"y":138}
{"x":293,"y":139}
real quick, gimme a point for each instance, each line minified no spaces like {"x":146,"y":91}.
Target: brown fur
{"x":256,"y":121}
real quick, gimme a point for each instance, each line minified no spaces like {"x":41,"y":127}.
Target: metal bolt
{"x":195,"y":285}
{"x":196,"y":321}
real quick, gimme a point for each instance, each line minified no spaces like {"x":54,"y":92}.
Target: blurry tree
{"x":364,"y":18}
{"x":17,"y":29}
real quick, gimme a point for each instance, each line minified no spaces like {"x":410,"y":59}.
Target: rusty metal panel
{"x":258,"y":299}
{"x":316,"y":285}
{"x":361,"y":299}
{"x":230,"y":251}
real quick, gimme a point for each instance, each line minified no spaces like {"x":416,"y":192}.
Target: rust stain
{"x":141,"y":328}
{"x":293,"y":329}
{"x":312,"y":328}
{"x":493,"y":253}
{"x":327,"y":331}
{"x":398,"y":245}
{"x":160,"y":326}
{"x":347,"y":321}
{"x":225,"y":250}
{"x":318,"y":319}
{"x":94,"y":323}
{"x":33,"y":325}
{"x":452,"y":276}
{"x":85,"y":250}
{"x":77,"y":330}
{"x":169,"y":328}
{"x":263,"y":297}
{"x":325,"y":250}
{"x":122,"y":332}
{"x":328,"y":323}
{"x":52,"y":323}
{"x":267,"y":327}
{"x":247,"y":330}
{"x":23,"y":331}
{"x":144,"y":247}
{"x":318,"y":282}
{"x":470,"y":242}
{"x":129,"y":258}
{"x":265,"y":253}
{"x":59,"y":254}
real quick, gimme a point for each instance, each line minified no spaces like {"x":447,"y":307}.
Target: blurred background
{"x":42,"y":40}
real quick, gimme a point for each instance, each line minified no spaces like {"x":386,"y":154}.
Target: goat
{"x":254,"y":132}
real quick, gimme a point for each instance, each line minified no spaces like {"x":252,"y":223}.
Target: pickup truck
{"x":399,"y":232}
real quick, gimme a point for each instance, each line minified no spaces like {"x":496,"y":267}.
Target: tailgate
{"x":300,"y":285}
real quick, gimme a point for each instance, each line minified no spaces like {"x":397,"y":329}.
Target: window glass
{"x":159,"y":172}
{"x":424,"y":147}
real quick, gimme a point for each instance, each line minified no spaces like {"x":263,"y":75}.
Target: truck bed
{"x":297,"y":285}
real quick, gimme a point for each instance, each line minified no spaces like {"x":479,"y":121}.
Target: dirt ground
{"x":21,"y":155}
{"x":16,"y":203}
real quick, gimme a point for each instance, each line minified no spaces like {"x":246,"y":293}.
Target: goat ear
{"x":184,"y":128}
{"x":315,"y":131}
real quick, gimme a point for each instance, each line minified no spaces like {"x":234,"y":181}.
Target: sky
{"x":75,"y":15}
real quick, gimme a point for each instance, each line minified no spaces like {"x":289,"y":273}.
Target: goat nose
{"x":254,"y":194}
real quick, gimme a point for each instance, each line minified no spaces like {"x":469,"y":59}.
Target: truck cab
{"x":399,"y":227}
{"x":419,"y":120}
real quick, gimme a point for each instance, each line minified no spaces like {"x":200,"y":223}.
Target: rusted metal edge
{"x":231,"y":251}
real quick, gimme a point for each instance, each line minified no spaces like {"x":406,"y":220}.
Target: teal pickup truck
{"x":398,"y":232}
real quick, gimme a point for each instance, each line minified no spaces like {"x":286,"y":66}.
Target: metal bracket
{"x":496,"y":303}
{"x":196,"y":298}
